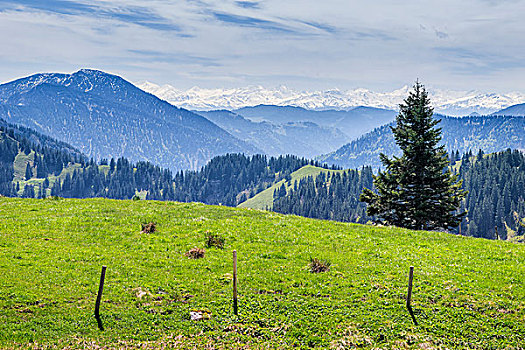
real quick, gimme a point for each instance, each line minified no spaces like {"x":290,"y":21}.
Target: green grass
{"x":264,"y":199}
{"x":468,"y":293}
{"x":20,"y":165}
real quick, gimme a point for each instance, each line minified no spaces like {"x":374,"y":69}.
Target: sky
{"x":307,"y":45}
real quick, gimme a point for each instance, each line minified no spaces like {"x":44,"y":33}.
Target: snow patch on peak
{"x":444,"y":101}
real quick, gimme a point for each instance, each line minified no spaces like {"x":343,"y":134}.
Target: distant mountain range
{"x":354,"y":122}
{"x":301,"y":138}
{"x":489,"y":133}
{"x":105,"y":116}
{"x":516,"y":110}
{"x":458,"y":103}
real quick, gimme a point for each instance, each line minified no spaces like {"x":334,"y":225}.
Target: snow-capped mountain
{"x":105,"y":116}
{"x":444,"y":101}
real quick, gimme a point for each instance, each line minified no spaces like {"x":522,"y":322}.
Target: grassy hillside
{"x":468,"y":293}
{"x":264,"y":199}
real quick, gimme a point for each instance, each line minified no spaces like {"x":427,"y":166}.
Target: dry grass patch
{"x":195,"y":253}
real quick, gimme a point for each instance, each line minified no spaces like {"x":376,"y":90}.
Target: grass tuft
{"x":317,"y":266}
{"x":150,"y":227}
{"x":214,"y":240}
{"x":195,"y":253}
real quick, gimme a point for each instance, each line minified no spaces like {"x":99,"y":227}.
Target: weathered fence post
{"x":235,"y":310}
{"x":409,"y":295}
{"x":99,"y":297}
{"x":496,"y":231}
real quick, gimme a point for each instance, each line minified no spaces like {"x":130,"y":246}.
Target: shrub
{"x":317,"y":266}
{"x":150,"y":227}
{"x":214,"y":240}
{"x":195,"y":253}
{"x":135,"y":198}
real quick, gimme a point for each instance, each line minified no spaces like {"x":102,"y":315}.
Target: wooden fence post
{"x":99,"y":297}
{"x":409,"y":294}
{"x":235,"y":310}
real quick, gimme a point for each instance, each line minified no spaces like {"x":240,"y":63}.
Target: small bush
{"x":150,"y":227}
{"x":195,"y":253}
{"x":317,"y":266}
{"x":135,"y":198}
{"x":214,"y":240}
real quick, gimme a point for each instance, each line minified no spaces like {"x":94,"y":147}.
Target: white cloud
{"x":472,"y":44}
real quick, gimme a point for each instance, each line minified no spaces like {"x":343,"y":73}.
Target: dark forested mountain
{"x":33,"y":139}
{"x":489,"y":133}
{"x":516,"y":110}
{"x":49,"y":157}
{"x":354,"y":122}
{"x":304,"y":139}
{"x":495,"y":203}
{"x":105,"y":116}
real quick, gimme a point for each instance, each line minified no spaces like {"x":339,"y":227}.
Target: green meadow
{"x":468,"y":293}
{"x":264,"y":199}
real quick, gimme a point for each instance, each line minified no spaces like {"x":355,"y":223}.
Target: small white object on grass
{"x":196,"y":315}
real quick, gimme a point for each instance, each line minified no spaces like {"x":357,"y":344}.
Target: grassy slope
{"x":20,"y":164}
{"x":469,"y":293}
{"x":264,"y":199}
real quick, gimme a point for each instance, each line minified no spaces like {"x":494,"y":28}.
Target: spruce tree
{"x":416,"y":190}
{"x":29,"y":172}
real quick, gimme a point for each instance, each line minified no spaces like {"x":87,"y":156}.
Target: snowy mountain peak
{"x":444,"y":101}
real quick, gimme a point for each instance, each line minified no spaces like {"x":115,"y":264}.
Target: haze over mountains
{"x":353,"y":122}
{"x":458,"y":103}
{"x":301,"y":138}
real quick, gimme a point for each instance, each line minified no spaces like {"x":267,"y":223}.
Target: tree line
{"x":228,"y":180}
{"x":329,"y":195}
{"x":494,"y":204}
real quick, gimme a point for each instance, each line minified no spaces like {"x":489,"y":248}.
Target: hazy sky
{"x":379,"y":44}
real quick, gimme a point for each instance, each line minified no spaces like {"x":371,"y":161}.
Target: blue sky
{"x":380,"y":45}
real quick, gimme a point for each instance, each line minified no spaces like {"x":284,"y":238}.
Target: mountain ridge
{"x":489,"y":133}
{"x":105,"y":116}
{"x":354,"y":122}
{"x":445,"y":101}
{"x":514,"y":110}
{"x":301,"y":138}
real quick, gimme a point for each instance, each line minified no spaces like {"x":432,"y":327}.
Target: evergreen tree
{"x":29,"y":172}
{"x":416,"y":190}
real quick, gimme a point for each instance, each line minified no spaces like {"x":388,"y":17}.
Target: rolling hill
{"x":105,"y":116}
{"x":264,"y":199}
{"x":467,"y":292}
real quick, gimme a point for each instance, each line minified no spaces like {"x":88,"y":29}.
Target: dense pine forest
{"x":496,"y":200}
{"x":332,"y":196}
{"x":47,"y":168}
{"x":36,"y":166}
